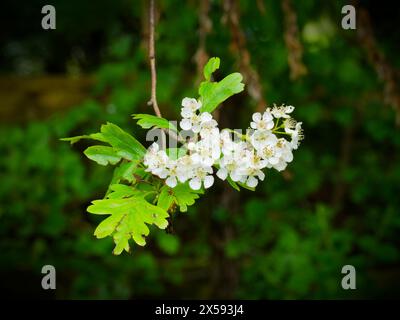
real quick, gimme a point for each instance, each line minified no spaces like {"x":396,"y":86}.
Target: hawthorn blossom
{"x":202,"y":175}
{"x":297,"y":136}
{"x":289,"y":125}
{"x":230,"y":166}
{"x":209,"y":129}
{"x":263,"y":121}
{"x":235,"y":156}
{"x":282,"y":111}
{"x":206,"y":152}
{"x":195,"y":121}
{"x":191,"y":123}
{"x":178,"y":170}
{"x":282,"y":155}
{"x":252,"y":171}
{"x":240,"y":157}
{"x":190,"y":106}
{"x":261,"y":139}
{"x":184,"y":168}
{"x":172,"y":175}
{"x":156,"y":161}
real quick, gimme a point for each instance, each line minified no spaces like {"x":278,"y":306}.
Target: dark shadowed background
{"x":338,"y":202}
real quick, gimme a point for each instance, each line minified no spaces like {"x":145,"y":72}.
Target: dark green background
{"x":338,"y":202}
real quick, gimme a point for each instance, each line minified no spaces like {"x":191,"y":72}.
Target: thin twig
{"x":152,"y":57}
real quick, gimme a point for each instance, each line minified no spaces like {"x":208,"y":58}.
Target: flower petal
{"x":208,"y":181}
{"x":196,"y":128}
{"x":256,"y":117}
{"x":222,"y":173}
{"x":195,"y":183}
{"x":188,"y":102}
{"x":267,"y":116}
{"x":205,"y":116}
{"x":270,"y":125}
{"x":289,"y":109}
{"x":273,"y":160}
{"x":235,"y":176}
{"x":252,"y":182}
{"x":171,"y":182}
{"x":186,"y":124}
{"x":186,"y":112}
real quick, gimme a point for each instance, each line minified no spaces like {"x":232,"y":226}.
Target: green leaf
{"x":94,"y":136}
{"x":182,"y":195}
{"x":126,"y":145}
{"x":185,"y":196}
{"x":127,"y":171}
{"x":166,"y":198}
{"x":147,"y":121}
{"x":120,"y":191}
{"x":214,"y":93}
{"x":210,"y":67}
{"x":128,"y":219}
{"x":102,"y":155}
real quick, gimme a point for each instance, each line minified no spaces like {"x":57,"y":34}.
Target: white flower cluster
{"x":234,"y":155}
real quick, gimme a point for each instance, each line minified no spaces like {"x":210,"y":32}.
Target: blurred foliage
{"x":337,"y":203}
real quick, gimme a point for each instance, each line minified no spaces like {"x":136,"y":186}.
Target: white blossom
{"x":282,"y":111}
{"x":201,"y":175}
{"x":209,"y":129}
{"x":261,"y":139}
{"x":206,"y":152}
{"x":190,"y":106}
{"x":191,"y":123}
{"x":240,"y":157}
{"x":195,"y":122}
{"x":252,"y":171}
{"x":284,"y":151}
{"x":262,"y":121}
{"x":156,"y":161}
{"x":235,"y":156}
{"x":297,"y":136}
{"x":172,"y":174}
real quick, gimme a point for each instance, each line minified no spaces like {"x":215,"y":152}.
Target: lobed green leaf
{"x":94,"y":136}
{"x":126,"y":145}
{"x":214,"y":93}
{"x":147,"y":121}
{"x":102,"y":155}
{"x":182,"y":195}
{"x":128,"y":219}
{"x":210,"y":67}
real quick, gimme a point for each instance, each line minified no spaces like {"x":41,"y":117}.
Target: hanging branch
{"x":152,"y":58}
{"x":385,"y":71}
{"x":293,"y":44}
{"x":238,"y":45}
